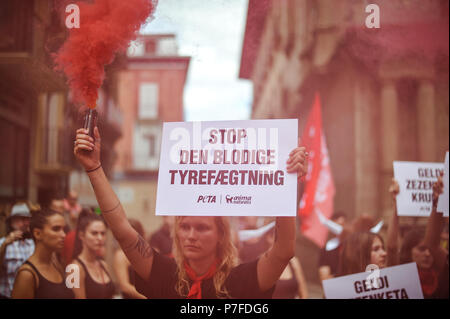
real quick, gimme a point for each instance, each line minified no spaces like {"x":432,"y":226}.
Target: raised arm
{"x":435,"y":226}
{"x":137,"y":250}
{"x":272,"y":263}
{"x":392,"y":233}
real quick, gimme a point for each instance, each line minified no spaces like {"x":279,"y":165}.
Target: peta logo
{"x":210,"y":199}
{"x":238,"y":199}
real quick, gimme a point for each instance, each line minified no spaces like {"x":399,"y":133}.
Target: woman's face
{"x":422,"y":256}
{"x":94,"y":237}
{"x":198,"y":237}
{"x":378,"y":254}
{"x":52,"y":234}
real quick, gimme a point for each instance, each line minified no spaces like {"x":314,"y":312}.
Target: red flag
{"x":319,"y":186}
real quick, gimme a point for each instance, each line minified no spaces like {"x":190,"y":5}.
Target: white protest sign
{"x":227,"y":168}
{"x":443,"y":199}
{"x":397,"y":282}
{"x":415,"y":180}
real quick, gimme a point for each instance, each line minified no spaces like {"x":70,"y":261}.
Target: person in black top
{"x":329,"y":257}
{"x":161,"y":240}
{"x":204,"y":264}
{"x":42,"y":276}
{"x":196,"y":246}
{"x":423,"y":247}
{"x":95,"y":281}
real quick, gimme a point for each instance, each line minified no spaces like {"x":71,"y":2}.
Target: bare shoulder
{"x":27,"y":275}
{"x":26,"y":271}
{"x":25,"y":283}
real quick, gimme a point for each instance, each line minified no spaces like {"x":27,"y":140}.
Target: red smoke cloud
{"x":106,"y":27}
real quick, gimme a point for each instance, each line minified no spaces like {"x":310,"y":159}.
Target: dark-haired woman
{"x":42,"y":276}
{"x":422,"y":247}
{"x":95,"y":281}
{"x":360,"y":250}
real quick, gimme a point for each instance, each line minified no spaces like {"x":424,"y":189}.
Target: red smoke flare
{"x":106,"y":27}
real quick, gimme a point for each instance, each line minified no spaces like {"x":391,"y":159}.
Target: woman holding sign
{"x":205,"y":257}
{"x":422,"y":247}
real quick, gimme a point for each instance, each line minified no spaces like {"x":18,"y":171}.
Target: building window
{"x":146,"y":148}
{"x":152,"y":144}
{"x":51,"y":136}
{"x":14,"y":163}
{"x":148,"y":100}
{"x":167,"y":46}
{"x":150,"y":47}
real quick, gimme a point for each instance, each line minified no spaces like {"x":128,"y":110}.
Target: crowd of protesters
{"x":197,"y":257}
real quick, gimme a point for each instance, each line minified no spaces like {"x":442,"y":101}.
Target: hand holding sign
{"x":394,"y":189}
{"x":297,"y":162}
{"x":438,"y":189}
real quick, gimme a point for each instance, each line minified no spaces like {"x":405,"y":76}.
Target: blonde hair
{"x":226,"y":254}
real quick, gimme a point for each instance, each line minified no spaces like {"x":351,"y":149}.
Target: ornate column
{"x":366,"y":147}
{"x":426,"y":121}
{"x":389,"y":139}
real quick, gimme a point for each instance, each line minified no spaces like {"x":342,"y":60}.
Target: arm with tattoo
{"x":142,"y":247}
{"x":87,"y":152}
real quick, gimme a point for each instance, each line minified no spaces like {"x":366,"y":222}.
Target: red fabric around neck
{"x":429,"y":281}
{"x":196,"y":289}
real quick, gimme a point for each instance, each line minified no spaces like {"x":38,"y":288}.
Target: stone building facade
{"x":384,"y":92}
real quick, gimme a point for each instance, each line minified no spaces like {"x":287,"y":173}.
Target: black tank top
{"x":286,"y":288}
{"x":93,"y":289}
{"x":50,"y":290}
